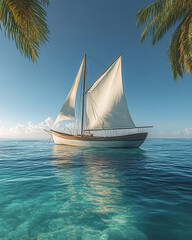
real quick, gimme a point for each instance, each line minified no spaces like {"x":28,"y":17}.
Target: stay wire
{"x":96,"y":61}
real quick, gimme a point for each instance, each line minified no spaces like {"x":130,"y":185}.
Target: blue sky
{"x":102,"y":30}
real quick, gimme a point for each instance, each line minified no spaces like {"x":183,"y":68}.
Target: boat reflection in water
{"x":94,"y":198}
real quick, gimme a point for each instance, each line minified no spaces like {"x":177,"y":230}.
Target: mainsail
{"x":106,"y":106}
{"x":68,"y":110}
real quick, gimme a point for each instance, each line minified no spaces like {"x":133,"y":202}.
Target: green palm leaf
{"x":25,"y":22}
{"x":162,"y":15}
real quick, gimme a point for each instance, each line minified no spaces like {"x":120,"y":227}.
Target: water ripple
{"x":58,"y":192}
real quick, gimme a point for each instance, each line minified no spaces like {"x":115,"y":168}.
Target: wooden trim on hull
{"x":126,"y":141}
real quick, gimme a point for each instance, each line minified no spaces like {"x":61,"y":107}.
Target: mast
{"x":84,"y":72}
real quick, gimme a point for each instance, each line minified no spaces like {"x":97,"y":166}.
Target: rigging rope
{"x":97,"y":61}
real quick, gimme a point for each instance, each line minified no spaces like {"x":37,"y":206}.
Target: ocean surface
{"x":59,"y":192}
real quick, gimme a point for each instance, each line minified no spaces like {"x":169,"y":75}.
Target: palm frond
{"x":25,"y":22}
{"x":180,"y":48}
{"x":147,"y":30}
{"x":169,"y":17}
{"x":174,"y":54}
{"x":162,"y":15}
{"x":185,"y":42}
{"x":148,"y":12}
{"x":46,"y":2}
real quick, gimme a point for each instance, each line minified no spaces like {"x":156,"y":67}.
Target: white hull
{"x":129,"y":141}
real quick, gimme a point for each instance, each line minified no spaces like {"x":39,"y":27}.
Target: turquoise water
{"x":58,"y":192}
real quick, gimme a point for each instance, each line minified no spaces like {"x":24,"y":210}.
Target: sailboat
{"x":106,"y":110}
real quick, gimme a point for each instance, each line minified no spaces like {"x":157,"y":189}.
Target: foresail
{"x":68,"y":110}
{"x":106,"y":102}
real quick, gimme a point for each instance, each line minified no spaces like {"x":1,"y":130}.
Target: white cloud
{"x":184,"y":133}
{"x":188,"y":131}
{"x":29,"y":130}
